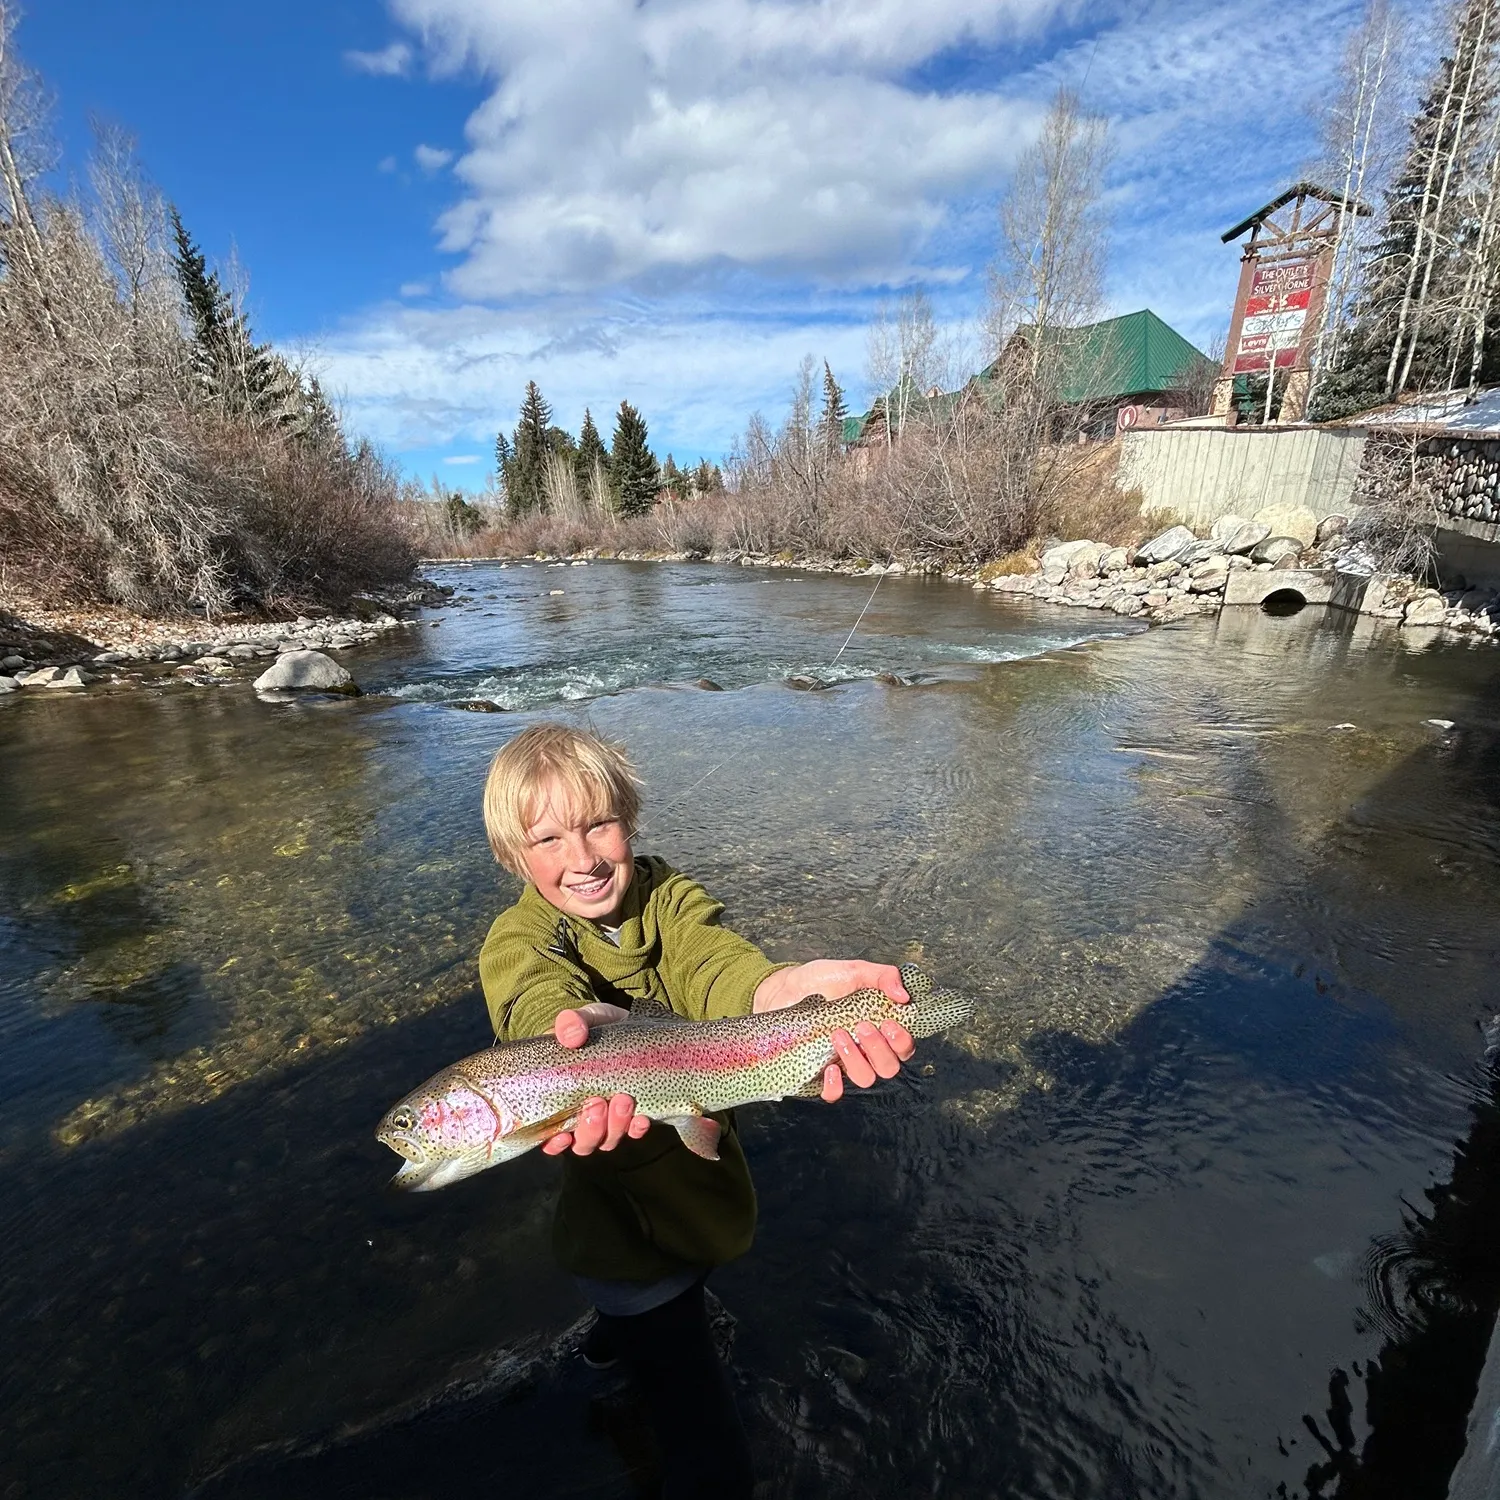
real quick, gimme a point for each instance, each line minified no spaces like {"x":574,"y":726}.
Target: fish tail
{"x":931,"y":1010}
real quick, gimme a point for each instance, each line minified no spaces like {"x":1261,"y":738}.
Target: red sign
{"x":1275,"y":312}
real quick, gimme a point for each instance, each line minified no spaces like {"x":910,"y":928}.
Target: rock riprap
{"x":305,"y":671}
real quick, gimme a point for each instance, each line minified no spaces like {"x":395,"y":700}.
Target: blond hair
{"x":593,"y":777}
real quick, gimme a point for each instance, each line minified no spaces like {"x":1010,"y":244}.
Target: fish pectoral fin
{"x":699,"y":1134}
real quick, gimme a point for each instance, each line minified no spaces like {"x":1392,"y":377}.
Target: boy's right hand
{"x":601,"y":1124}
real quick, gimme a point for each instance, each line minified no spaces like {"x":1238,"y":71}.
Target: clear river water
{"x":1175,"y":1216}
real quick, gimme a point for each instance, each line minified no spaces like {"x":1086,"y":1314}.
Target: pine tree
{"x":674,"y":480}
{"x":319,"y":423}
{"x":633,"y":473}
{"x":592,"y":454}
{"x":831,"y":422}
{"x":236,"y":373}
{"x":707,"y":478}
{"x":525,"y":481}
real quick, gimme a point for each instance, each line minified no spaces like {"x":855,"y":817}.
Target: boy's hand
{"x":601,"y":1124}
{"x":872,"y":1052}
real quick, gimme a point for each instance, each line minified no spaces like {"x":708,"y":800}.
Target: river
{"x":1225,"y":898}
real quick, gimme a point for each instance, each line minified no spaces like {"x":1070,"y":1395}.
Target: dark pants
{"x":670,"y":1353}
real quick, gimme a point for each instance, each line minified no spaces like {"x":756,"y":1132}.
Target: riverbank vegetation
{"x":153,"y":454}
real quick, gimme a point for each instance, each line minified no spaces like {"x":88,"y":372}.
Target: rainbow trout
{"x":499,"y":1103}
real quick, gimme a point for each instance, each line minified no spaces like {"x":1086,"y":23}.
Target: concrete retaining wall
{"x":1202,"y":473}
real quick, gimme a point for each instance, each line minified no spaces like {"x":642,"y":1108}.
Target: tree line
{"x":542,"y":469}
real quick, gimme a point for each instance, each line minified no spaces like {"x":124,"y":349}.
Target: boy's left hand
{"x":602,"y":1124}
{"x":871,"y":1052}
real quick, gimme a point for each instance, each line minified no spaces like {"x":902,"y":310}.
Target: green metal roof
{"x":1126,"y":356}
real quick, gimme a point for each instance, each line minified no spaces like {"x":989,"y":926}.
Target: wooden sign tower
{"x":1278,"y":309}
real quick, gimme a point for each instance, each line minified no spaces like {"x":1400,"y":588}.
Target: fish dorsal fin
{"x":699,"y":1134}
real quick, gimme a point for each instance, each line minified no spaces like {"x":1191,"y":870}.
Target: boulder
{"x":1085,"y":562}
{"x":707,"y":684}
{"x":1160,"y":572}
{"x":1065,"y":552}
{"x":243,"y":652}
{"x":1198,"y":551}
{"x":1237,"y":562}
{"x":1114,"y":560}
{"x":1208,"y":576}
{"x":1224,"y":528}
{"x":1167,"y":546}
{"x":109,"y":658}
{"x":1425,"y":609}
{"x":1289,"y":520}
{"x":1274,"y":548}
{"x":41,"y":677}
{"x":1329,"y":528}
{"x":12,"y":663}
{"x":8,"y":684}
{"x":804,"y":684}
{"x":1247,"y":538}
{"x":309,"y":670}
{"x":71,"y":678}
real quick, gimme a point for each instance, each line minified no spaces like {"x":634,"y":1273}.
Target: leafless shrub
{"x":119,"y":480}
{"x":1397,"y":491}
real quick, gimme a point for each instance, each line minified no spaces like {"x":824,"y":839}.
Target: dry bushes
{"x":121,"y":477}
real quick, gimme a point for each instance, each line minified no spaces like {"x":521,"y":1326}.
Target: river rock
{"x":1247,"y":538}
{"x":1065,"y":552}
{"x":72,"y":678}
{"x":12,"y":663}
{"x":1167,"y":546}
{"x":109,"y":658}
{"x":1114,"y":560}
{"x":707,"y":684}
{"x":1329,"y":528}
{"x":1289,"y":520}
{"x":8,"y":684}
{"x":243,"y":652}
{"x":804,"y":684}
{"x":309,"y":670}
{"x":1198,"y":551}
{"x":1274,"y":548}
{"x":1224,"y":528}
{"x":41,"y":677}
{"x":1238,"y":562}
{"x":1208,"y":576}
{"x":479,"y":706}
{"x":1425,"y":609}
{"x":1160,"y":572}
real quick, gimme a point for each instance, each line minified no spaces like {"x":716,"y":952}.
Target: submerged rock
{"x":306,"y":670}
{"x":803,"y":684}
{"x":707,"y":684}
{"x":479,"y":706}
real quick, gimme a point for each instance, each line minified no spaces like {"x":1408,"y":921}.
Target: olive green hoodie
{"x":650,"y":1207}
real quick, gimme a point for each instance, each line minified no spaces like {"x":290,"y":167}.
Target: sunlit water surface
{"x":1232,"y":963}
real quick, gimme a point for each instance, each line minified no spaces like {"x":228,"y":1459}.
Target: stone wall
{"x":1465,"y":477}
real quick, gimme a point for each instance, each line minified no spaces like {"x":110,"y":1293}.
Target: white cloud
{"x":623,"y":141}
{"x":416,"y":288}
{"x":431,"y":158}
{"x":462,"y":458}
{"x":390,"y":62}
{"x":387,"y":164}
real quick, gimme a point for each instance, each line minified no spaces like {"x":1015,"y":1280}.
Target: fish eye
{"x":403,"y":1119}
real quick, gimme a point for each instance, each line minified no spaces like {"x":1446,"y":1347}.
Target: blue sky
{"x":668,"y":201}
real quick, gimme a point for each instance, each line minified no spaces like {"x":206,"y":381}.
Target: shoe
{"x":597,"y":1351}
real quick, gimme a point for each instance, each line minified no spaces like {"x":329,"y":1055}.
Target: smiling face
{"x":579,"y":860}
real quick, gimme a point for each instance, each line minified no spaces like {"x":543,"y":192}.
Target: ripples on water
{"x":1113,"y":1240}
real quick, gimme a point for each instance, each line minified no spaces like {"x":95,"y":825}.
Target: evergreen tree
{"x":633,"y":473}
{"x":706,"y":478}
{"x":319,"y":424}
{"x":831,"y":422}
{"x":674,"y":480}
{"x":525,"y":482}
{"x":504,"y":454}
{"x":560,"y":441}
{"x":239,"y":375}
{"x":591,"y":453}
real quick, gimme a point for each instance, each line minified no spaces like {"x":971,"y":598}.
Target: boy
{"x":641,"y":1220}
